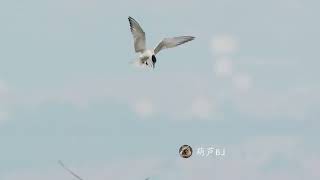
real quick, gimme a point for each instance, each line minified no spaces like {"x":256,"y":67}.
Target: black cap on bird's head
{"x":154,"y":60}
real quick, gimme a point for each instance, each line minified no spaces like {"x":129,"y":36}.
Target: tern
{"x":147,"y":57}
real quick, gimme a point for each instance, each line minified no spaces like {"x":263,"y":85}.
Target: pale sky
{"x":248,"y":83}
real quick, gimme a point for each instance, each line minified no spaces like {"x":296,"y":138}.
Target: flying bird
{"x":147,"y":57}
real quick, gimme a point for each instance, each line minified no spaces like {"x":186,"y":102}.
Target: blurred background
{"x":249,"y":82}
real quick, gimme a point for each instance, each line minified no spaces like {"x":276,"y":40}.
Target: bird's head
{"x":154,"y":60}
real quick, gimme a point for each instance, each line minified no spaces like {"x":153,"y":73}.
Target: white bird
{"x":147,"y":56}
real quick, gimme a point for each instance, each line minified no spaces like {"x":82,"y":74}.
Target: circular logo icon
{"x":185,"y":151}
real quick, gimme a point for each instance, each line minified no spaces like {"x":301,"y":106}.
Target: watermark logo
{"x":185,"y":151}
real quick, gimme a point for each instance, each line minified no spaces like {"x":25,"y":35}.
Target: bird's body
{"x":147,"y":57}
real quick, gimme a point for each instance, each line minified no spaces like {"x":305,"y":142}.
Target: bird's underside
{"x":147,"y":56}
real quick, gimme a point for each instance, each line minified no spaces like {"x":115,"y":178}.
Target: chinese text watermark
{"x":211,"y":151}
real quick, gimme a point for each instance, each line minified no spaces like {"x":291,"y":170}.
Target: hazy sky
{"x":248,"y":83}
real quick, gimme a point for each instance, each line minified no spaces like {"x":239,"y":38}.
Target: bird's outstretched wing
{"x":172,"y":42}
{"x":138,"y":35}
{"x":67,"y":169}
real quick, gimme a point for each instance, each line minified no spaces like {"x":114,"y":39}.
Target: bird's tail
{"x":136,"y":63}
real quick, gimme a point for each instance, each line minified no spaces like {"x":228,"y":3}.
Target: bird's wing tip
{"x":189,"y":37}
